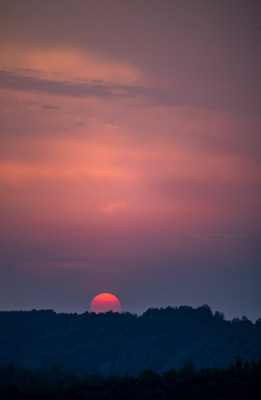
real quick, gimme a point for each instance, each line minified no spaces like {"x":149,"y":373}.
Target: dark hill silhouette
{"x":113,"y":343}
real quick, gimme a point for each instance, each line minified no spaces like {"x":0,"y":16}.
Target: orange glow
{"x":105,"y":302}
{"x":69,"y":63}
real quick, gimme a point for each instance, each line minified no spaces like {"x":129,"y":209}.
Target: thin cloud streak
{"x":147,"y":96}
{"x":247,"y":239}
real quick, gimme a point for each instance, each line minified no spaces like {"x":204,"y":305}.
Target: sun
{"x":105,"y":302}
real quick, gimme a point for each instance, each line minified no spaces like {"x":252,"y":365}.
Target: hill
{"x":113,"y":343}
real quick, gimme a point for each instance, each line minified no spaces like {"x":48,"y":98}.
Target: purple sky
{"x":130,"y":154}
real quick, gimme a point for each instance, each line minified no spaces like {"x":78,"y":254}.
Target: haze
{"x":130,"y":154}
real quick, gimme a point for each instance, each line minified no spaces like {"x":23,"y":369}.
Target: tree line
{"x":127,"y":344}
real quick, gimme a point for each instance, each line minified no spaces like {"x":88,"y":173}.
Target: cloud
{"x":114,"y":208}
{"x":53,"y":266}
{"x":251,"y":239}
{"x":68,"y":64}
{"x":60,"y":88}
{"x":47,"y":107}
{"x":148,"y":96}
{"x":80,"y":123}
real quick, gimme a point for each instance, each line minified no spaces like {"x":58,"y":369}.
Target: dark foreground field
{"x":240,"y":381}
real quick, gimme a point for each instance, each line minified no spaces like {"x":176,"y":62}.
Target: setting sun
{"x":105,"y":302}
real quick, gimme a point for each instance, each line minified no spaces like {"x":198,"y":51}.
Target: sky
{"x":130,"y":154}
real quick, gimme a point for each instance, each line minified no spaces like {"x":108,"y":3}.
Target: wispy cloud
{"x":114,"y":208}
{"x":60,"y":88}
{"x":49,"y":107}
{"x":254,"y":239}
{"x":148,"y":96}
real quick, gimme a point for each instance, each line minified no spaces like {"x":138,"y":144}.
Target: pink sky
{"x":130,"y":154}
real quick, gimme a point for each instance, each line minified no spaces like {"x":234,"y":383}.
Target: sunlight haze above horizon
{"x":130,"y":154}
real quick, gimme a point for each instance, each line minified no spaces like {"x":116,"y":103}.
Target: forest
{"x":127,"y":344}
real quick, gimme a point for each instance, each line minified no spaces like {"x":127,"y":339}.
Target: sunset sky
{"x":130,"y":154}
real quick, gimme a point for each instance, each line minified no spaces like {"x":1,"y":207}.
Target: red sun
{"x":105,"y":302}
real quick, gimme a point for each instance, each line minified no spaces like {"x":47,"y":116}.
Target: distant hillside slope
{"x":113,"y":343}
